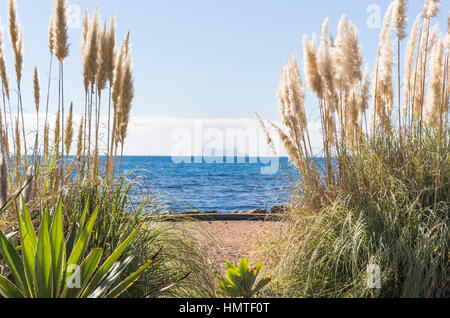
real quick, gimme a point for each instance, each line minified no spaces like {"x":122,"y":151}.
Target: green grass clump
{"x":178,"y":268}
{"x":124,"y":207}
{"x":390,"y":211}
{"x":381,"y":196}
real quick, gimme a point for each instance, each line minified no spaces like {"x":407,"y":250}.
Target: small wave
{"x":175,"y":187}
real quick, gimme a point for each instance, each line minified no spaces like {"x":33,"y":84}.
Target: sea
{"x":212,"y":184}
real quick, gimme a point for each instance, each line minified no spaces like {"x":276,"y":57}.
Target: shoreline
{"x":274,"y":214}
{"x":220,"y":217}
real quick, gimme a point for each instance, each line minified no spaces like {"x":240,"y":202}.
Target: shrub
{"x":381,"y":195}
{"x":240,"y":281}
{"x":48,"y":263}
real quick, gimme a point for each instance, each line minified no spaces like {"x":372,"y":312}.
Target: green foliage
{"x":49,"y":266}
{"x":122,"y":207}
{"x":117,"y":217}
{"x":181,"y":255}
{"x":240,"y":281}
{"x":391,"y":209}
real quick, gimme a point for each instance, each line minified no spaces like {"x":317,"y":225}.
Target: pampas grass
{"x":61,"y":51}
{"x":54,"y":175}
{"x":60,"y":30}
{"x":311,"y":69}
{"x":90,"y":49}
{"x":18,"y":157}
{"x":57,"y":134}
{"x":101,"y":64}
{"x":400,"y":18}
{"x":80,"y":139}
{"x":383,"y":198}
{"x":103,"y":59}
{"x":409,"y":66}
{"x":36,"y":90}
{"x":431,"y":8}
{"x":3,"y":71}
{"x":126,"y":98}
{"x":400,"y":27}
{"x":435,"y":104}
{"x":68,"y":136}
{"x":46,"y":141}
{"x":16,"y":36}
{"x":384,"y":75}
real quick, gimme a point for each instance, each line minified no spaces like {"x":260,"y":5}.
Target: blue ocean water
{"x":213,"y":186}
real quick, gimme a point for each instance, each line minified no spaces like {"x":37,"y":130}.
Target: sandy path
{"x":233,"y":240}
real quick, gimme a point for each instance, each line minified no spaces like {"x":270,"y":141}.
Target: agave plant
{"x":240,"y":281}
{"x":49,"y":266}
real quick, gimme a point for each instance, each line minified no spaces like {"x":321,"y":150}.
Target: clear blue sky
{"x":201,"y":58}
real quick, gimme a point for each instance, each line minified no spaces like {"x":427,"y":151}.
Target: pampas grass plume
{"x":12,"y":22}
{"x":266,"y":133}
{"x":17,"y":142}
{"x":36,"y":89}
{"x":434,"y":99}
{"x":68,"y":134}
{"x":19,"y":58}
{"x":80,"y":139}
{"x":103,"y":59}
{"x":311,"y":68}
{"x":51,"y":33}
{"x":46,"y":140}
{"x":409,"y":63}
{"x":431,"y":8}
{"x":347,"y":54}
{"x":61,"y":46}
{"x":85,"y":29}
{"x":126,"y":98}
{"x":57,"y":128}
{"x":400,"y":18}
{"x":3,"y":71}
{"x":111,"y":49}
{"x":16,"y":36}
{"x":324,"y":58}
{"x":90,"y":50}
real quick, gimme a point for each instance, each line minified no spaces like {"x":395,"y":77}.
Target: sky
{"x":197,"y":61}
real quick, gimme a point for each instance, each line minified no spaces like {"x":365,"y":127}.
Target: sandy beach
{"x":221,"y":240}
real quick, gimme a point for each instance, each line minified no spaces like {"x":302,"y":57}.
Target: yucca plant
{"x":48,"y":265}
{"x":240,"y":280}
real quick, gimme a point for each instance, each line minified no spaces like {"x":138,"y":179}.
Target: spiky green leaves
{"x":240,"y":280}
{"x":48,"y":265}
